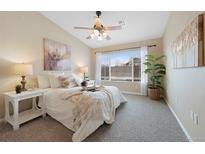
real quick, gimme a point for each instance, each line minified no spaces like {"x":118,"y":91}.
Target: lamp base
{"x":23,"y":82}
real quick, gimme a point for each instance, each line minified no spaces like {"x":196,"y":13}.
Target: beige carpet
{"x":141,"y":119}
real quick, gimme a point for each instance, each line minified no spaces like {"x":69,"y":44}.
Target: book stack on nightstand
{"x":18,"y":118}
{"x":92,"y":88}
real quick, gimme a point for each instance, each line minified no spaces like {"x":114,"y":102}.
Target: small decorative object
{"x":18,"y":89}
{"x":188,"y":47}
{"x":23,"y":70}
{"x":92,"y":89}
{"x":84,"y":83}
{"x":155,"y":71}
{"x":91,"y":83}
{"x":57,"y":56}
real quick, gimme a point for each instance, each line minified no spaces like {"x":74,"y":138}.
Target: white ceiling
{"x":139,"y":26}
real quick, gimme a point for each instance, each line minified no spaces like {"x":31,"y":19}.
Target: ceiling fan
{"x":100,"y":31}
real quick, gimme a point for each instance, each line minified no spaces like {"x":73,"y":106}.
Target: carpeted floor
{"x":141,"y":119}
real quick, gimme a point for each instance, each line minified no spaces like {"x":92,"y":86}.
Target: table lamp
{"x":23,"y":70}
{"x":84,"y":70}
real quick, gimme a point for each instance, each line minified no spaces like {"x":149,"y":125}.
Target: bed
{"x":83,"y":111}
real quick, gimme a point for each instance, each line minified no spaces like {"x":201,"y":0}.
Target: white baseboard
{"x":180,"y":123}
{"x":132,"y":93}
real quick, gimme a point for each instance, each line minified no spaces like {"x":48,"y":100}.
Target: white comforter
{"x":83,"y":112}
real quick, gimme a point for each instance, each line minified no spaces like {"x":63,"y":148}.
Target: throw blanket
{"x":92,"y":109}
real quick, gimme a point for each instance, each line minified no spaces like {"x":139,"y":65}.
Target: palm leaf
{"x":150,"y":56}
{"x":159,"y":66}
{"x":161,"y":72}
{"x":147,"y":63}
{"x":155,"y":70}
{"x":148,"y":70}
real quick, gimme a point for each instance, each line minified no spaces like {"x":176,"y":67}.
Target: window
{"x":121,"y":65}
{"x":105,"y":64}
{"x":137,"y":67}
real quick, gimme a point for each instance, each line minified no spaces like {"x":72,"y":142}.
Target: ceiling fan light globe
{"x":104,"y":34}
{"x":99,"y":38}
{"x":92,"y":35}
{"x":96,"y":32}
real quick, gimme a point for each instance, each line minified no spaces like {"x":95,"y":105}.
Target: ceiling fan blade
{"x":89,"y":37}
{"x":108,"y":37}
{"x":86,"y":28}
{"x":113,"y":27}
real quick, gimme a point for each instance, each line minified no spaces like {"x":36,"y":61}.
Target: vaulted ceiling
{"x":139,"y":26}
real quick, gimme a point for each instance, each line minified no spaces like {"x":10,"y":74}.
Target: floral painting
{"x":57,"y":56}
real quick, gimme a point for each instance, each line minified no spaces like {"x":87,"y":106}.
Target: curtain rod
{"x":149,"y":46}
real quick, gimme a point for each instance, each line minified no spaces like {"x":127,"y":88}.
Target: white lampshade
{"x":23,"y":69}
{"x":83,"y":69}
{"x":86,"y":69}
{"x":96,"y":32}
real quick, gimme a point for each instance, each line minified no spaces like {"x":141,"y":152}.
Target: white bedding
{"x":83,"y":112}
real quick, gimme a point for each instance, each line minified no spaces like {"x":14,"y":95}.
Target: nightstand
{"x":18,"y":118}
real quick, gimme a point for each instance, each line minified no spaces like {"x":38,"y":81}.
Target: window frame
{"x":109,"y":61}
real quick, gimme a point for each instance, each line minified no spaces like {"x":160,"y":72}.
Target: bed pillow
{"x":54,"y":81}
{"x":68,"y":81}
{"x":43,"y":82}
{"x":78,"y":79}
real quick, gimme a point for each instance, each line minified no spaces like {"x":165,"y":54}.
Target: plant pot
{"x":154,"y":93}
{"x":18,"y":91}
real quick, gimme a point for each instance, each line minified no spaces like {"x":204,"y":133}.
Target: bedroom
{"x":58,"y":66}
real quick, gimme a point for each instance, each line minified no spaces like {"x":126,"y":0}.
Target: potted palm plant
{"x":155,"y":71}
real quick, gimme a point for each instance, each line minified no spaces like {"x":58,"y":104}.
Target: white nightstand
{"x":18,"y":118}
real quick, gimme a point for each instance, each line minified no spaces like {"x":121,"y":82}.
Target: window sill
{"x":121,"y":81}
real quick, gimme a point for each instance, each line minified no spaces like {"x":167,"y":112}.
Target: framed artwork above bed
{"x":188,"y":47}
{"x":57,"y":56}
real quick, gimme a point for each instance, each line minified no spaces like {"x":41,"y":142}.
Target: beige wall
{"x":184,"y":87}
{"x":127,"y":86}
{"x":21,"y":40}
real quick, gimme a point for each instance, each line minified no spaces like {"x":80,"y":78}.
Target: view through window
{"x":121,"y":65}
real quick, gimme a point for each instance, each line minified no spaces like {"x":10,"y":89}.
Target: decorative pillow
{"x":72,"y":84}
{"x":67,"y":81}
{"x":43,"y":82}
{"x":54,"y":81}
{"x":64,"y":81}
{"x":78,"y":79}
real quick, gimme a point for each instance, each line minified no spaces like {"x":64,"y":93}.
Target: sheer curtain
{"x":144,"y":77}
{"x":98,"y":68}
